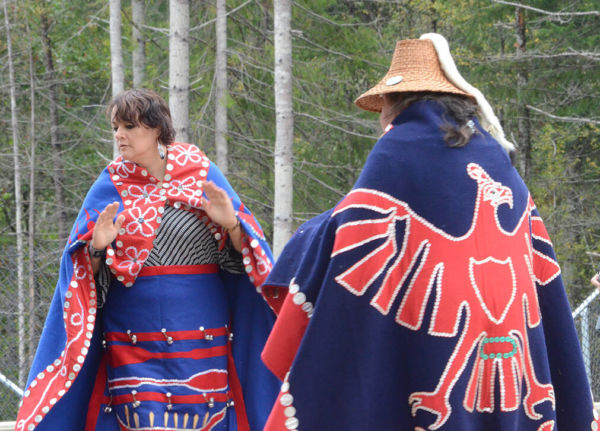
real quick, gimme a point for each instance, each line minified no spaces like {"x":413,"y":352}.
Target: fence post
{"x":585,"y":341}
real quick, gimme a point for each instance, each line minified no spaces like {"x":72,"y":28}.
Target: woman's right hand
{"x":105,"y":230}
{"x":596,"y":280}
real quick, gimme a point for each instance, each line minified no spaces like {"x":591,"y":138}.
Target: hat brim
{"x":372,"y":99}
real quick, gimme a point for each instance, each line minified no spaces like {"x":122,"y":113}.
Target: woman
{"x":429,"y":298}
{"x":163,"y":266}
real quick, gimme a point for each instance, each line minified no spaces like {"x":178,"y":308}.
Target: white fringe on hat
{"x":489,"y":121}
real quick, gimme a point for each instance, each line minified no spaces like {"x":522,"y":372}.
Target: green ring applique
{"x":492,"y":340}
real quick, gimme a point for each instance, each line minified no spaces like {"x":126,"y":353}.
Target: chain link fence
{"x":15,"y":368}
{"x":587,"y":322}
{"x":21,"y":322}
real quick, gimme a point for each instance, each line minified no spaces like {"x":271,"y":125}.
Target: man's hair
{"x":460,"y":109}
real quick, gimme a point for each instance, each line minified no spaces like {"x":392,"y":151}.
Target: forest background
{"x":537,"y":62}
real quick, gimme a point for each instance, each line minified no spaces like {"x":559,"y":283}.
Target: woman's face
{"x":137,"y":144}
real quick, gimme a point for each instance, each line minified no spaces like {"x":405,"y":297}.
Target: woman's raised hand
{"x":596,"y":280}
{"x":105,"y":230}
{"x":218,"y":206}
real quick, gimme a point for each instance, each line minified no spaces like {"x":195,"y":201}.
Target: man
{"x":430,"y":297}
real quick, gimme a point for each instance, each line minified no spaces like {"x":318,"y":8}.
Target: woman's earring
{"x":471,"y":125}
{"x":161,"y":152}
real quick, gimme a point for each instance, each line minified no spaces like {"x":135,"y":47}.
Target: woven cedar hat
{"x":426,"y":65}
{"x":415,"y":68}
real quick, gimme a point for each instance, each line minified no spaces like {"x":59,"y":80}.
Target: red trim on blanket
{"x":85,"y":237}
{"x":276,"y":420}
{"x":209,"y":268}
{"x":159,"y":336}
{"x":285,"y":338}
{"x":275,"y":296}
{"x":97,"y":397}
{"x":126,"y":355}
{"x":237,"y":394}
{"x":79,"y":316}
{"x":201,"y":382}
{"x":218,"y":397}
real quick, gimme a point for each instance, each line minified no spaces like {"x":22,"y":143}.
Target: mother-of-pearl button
{"x":393,"y":80}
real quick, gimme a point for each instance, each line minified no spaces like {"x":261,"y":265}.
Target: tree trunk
{"x":18,"y":205}
{"x":284,"y":125}
{"x":434,"y":21}
{"x":139,"y":53}
{"x":116,"y":55}
{"x":524,"y":132}
{"x":57,"y":156}
{"x":179,"y":67}
{"x":221,"y":87}
{"x":31,"y":222}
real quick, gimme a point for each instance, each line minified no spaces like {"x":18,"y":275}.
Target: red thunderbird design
{"x":488,"y":274}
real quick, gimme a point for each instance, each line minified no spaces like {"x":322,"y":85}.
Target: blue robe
{"x":429,"y":298}
{"x":67,"y":387}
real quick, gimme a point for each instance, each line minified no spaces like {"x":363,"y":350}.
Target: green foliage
{"x":341,"y":48}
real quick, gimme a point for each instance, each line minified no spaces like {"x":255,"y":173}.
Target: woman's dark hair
{"x":141,"y":106}
{"x":461,"y":109}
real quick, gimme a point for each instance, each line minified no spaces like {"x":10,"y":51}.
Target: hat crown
{"x":413,"y":57}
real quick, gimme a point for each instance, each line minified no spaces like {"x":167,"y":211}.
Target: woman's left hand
{"x":596,"y":281}
{"x":218,"y":206}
